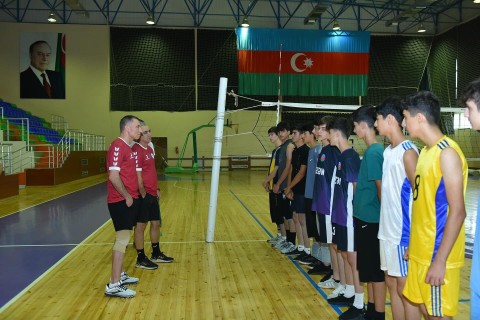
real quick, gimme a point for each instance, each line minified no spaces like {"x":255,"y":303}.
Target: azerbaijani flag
{"x":304,"y":62}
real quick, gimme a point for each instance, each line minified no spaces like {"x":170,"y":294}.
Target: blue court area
{"x":35,"y":239}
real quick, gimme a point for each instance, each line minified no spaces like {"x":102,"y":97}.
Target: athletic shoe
{"x":341,"y":300}
{"x":126,"y":279}
{"x":295,"y":252}
{"x":319,"y":268}
{"x":328,"y":284}
{"x":144,"y":263}
{"x":327,"y":276}
{"x":290,"y":247}
{"x":353,"y":314}
{"x":161,"y":257}
{"x":118,"y":290}
{"x":274,"y":239}
{"x":301,"y":255}
{"x":279,"y":243}
{"x":285,"y":244}
{"x":307,"y":259}
{"x":340,"y":290}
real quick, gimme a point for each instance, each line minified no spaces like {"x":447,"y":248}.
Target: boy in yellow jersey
{"x":437,"y":240}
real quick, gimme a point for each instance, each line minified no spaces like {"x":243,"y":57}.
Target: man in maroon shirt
{"x":149,"y":206}
{"x":122,"y":198}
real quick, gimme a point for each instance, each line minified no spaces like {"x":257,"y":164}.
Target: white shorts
{"x":391,"y":259}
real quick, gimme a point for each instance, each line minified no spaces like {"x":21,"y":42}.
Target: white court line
{"x":18,"y":296}
{"x":101,"y":244}
{"x":34,"y":205}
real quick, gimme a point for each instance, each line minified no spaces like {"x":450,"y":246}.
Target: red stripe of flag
{"x":303,"y":62}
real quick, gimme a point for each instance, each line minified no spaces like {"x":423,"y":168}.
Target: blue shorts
{"x":298,"y":203}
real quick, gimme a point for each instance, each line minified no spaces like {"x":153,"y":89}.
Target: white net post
{"x":217,"y":156}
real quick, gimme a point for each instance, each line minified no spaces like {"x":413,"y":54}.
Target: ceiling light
{"x":421,"y":28}
{"x":476,"y":1}
{"x":336,"y":26}
{"x":150,"y":20}
{"x":245,"y":23}
{"x":51,"y":17}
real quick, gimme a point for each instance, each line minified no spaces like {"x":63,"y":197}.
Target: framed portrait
{"x":42,"y":65}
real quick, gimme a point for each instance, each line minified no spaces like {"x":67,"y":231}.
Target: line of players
{"x":394,"y":217}
{"x":133,"y":201}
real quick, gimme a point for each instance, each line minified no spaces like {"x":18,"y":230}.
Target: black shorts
{"x":149,"y":209}
{"x":325,"y":228}
{"x":284,"y":206}
{"x":368,"y":251}
{"x":123,"y":217}
{"x":344,"y":237}
{"x":297,"y":205}
{"x":275,"y":213}
{"x":311,"y":220}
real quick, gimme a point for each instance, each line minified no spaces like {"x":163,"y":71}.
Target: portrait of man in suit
{"x":37,"y":81}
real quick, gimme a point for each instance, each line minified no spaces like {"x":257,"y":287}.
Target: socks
{"x":349,"y":291}
{"x":307,"y":250}
{"x":370,"y":315}
{"x":140,"y":253}
{"x":300,"y":247}
{"x":358,"y":302}
{"x":155,"y":248}
{"x":291,"y":236}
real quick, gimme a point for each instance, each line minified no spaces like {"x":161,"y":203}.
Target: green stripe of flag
{"x":303,"y":84}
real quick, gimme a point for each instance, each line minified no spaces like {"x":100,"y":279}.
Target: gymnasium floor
{"x":55,"y":251}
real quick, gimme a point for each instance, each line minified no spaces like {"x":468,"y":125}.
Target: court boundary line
{"x":305,"y":274}
{"x":43,"y":275}
{"x":46,"y":201}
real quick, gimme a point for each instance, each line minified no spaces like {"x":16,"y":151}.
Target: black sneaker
{"x":353,"y":314}
{"x":161,"y":257}
{"x":306,"y":260}
{"x":144,"y":263}
{"x":327,"y":276}
{"x":319,"y":269}
{"x":293,"y":253}
{"x":340,"y":300}
{"x":302,"y":255}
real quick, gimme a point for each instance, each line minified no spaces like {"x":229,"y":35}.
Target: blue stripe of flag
{"x":303,"y":40}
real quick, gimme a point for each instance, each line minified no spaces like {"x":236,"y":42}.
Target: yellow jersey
{"x":430,"y":207}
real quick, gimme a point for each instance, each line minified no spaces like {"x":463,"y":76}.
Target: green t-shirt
{"x":366,"y":205}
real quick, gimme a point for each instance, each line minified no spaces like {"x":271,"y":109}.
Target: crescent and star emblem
{"x":307,"y":62}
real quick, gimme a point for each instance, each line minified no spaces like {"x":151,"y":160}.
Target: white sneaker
{"x":274,"y":239}
{"x":126,"y":279}
{"x":118,"y":290}
{"x":291,"y":247}
{"x":328,"y":284}
{"x":338,"y":291}
{"x":279,"y":244}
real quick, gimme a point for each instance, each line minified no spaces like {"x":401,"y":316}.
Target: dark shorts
{"x":123,"y":217}
{"x":149,"y":209}
{"x":324,"y":228}
{"x":284,"y":206}
{"x":368,"y":251}
{"x":297,"y":205}
{"x":344,"y":238}
{"x":311,"y":220}
{"x":275,"y":213}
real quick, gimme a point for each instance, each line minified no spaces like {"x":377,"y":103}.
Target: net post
{"x":217,"y":155}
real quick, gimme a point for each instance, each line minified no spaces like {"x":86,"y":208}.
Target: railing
{"x":59,"y":123}
{"x":14,"y":161}
{"x":49,"y":155}
{"x":82,"y":141}
{"x":23,"y":123}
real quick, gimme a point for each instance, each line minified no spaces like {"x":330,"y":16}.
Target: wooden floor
{"x":238,"y":277}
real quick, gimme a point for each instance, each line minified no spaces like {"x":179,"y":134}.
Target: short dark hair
{"x":343,"y":125}
{"x":36,"y":43}
{"x":326,"y":120}
{"x":283,"y":125}
{"x":274,"y":130}
{"x":365,"y":114}
{"x":426,"y":103}
{"x":472,"y":92}
{"x":308,"y":127}
{"x":298,"y":127}
{"x":126,"y":120}
{"x":391,"y":106}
